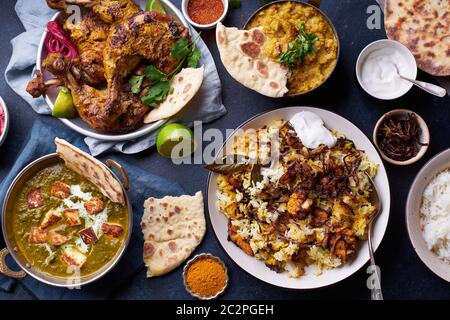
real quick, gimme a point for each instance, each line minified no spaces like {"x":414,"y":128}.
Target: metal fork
{"x":375,"y":292}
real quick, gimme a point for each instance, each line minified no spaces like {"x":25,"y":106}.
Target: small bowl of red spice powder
{"x":204,"y":14}
{"x":205,"y":276}
{"x":4,"y":121}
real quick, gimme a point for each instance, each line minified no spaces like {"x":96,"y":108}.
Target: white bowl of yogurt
{"x":377,"y":65}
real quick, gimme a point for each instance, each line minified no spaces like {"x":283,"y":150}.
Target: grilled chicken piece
{"x":89,"y":35}
{"x":148,"y":35}
{"x":38,"y":87}
{"x":110,"y":11}
{"x":239,"y":240}
{"x":342,"y":244}
{"x":298,"y":205}
{"x":319,"y":217}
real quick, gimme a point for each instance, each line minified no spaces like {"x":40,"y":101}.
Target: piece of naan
{"x":173,"y":227}
{"x":92,"y":169}
{"x":185,"y":85}
{"x":424,"y":27}
{"x":242,"y":55}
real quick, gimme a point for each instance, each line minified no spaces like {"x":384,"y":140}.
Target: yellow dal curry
{"x":281,"y":23}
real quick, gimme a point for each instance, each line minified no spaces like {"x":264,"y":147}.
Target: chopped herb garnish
{"x":181,"y":49}
{"x":153,"y":74}
{"x":136,"y":83}
{"x":194,"y":57}
{"x":298,"y":49}
{"x":157,"y":93}
{"x":186,"y":50}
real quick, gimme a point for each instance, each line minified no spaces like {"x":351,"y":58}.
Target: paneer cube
{"x":60,"y":190}
{"x":73,"y":258}
{"x":57,"y":239}
{"x":72,"y":217}
{"x":38,"y":235}
{"x":88,"y":236}
{"x":51,"y":217}
{"x":35,"y":199}
{"x":113,"y":230}
{"x":94,"y":206}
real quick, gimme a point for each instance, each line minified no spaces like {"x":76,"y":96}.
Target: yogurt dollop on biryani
{"x":309,"y":208}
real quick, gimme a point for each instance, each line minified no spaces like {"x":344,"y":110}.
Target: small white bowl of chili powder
{"x":204,"y":14}
{"x":4,"y":121}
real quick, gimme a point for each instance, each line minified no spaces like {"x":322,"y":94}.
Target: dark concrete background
{"x":404,"y":276}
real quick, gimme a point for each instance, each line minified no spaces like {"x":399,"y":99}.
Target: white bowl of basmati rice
{"x":428,"y":214}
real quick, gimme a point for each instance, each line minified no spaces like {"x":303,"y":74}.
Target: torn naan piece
{"x":242,"y":55}
{"x":173,"y":227}
{"x":185,"y":85}
{"x":92,"y":169}
{"x":424,"y":27}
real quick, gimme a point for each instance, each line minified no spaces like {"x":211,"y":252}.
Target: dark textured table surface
{"x":403,"y":274}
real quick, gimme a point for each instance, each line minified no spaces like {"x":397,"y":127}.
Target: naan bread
{"x":92,"y":169}
{"x":424,"y":27}
{"x":185,"y":85}
{"x":173,"y":227}
{"x":242,"y":55}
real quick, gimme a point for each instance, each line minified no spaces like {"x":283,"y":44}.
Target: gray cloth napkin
{"x":443,"y":81}
{"x":34,"y":15}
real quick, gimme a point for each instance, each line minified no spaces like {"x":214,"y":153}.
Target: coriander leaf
{"x":154,"y":74}
{"x":299,"y":48}
{"x":194,"y":57}
{"x":180,"y":49}
{"x":234,"y":3}
{"x":136,"y":83}
{"x":157,"y":93}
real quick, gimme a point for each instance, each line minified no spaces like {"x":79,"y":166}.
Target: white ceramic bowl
{"x":257,"y":268}
{"x":79,"y":125}
{"x":436,"y":165}
{"x":184,"y":5}
{"x":5,"y":129}
{"x":424,"y":138}
{"x":408,"y":58}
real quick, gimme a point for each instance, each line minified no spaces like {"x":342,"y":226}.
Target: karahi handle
{"x":114,"y":164}
{"x":4,"y":269}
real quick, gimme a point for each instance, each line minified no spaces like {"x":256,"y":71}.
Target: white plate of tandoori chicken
{"x":120,"y":71}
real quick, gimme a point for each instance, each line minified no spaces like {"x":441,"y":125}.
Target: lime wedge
{"x":175,"y":141}
{"x":63,"y":107}
{"x":155,"y":5}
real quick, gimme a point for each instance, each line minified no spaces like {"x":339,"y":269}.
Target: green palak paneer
{"x":63,"y":223}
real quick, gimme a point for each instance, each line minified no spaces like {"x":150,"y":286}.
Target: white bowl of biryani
{"x":314,"y":276}
{"x":428,"y":214}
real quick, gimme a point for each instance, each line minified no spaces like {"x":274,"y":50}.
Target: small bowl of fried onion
{"x":401,"y":136}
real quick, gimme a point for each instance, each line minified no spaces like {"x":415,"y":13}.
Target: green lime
{"x":63,"y":107}
{"x":175,"y":141}
{"x":155,"y":5}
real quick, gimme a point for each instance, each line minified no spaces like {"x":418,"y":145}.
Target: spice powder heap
{"x":206,"y":277}
{"x":205,"y":11}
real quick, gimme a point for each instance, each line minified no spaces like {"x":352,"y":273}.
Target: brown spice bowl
{"x":424,"y":138}
{"x":201,"y":256}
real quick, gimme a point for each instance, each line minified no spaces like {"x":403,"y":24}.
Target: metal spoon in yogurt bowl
{"x":426,"y":86}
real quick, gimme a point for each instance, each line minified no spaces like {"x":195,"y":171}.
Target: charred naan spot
{"x":143,"y":225}
{"x":161,"y":252}
{"x":246,"y":34}
{"x":164,"y":204}
{"x":171,"y":214}
{"x":251,"y":49}
{"x":170,"y":232}
{"x":180,"y":79}
{"x":262,"y":68}
{"x":187,"y":88}
{"x":258,"y":37}
{"x":429,"y":44}
{"x":149,"y":249}
{"x":220,"y":37}
{"x":172,"y":246}
{"x":274,"y":85}
{"x":165,"y":219}
{"x":177,"y":209}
